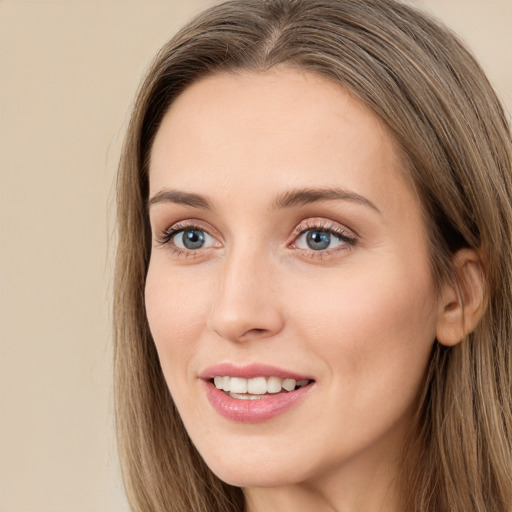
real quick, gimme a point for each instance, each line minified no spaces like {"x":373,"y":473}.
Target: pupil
{"x":318,"y":240}
{"x":193,"y":239}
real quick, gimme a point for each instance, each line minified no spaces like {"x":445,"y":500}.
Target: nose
{"x":246,"y":304}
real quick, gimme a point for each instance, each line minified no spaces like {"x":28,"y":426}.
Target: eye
{"x":321,"y":236}
{"x":185,"y":239}
{"x":318,"y":240}
{"x":192,"y":239}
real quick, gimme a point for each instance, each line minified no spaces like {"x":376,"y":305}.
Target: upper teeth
{"x":257,"y":385}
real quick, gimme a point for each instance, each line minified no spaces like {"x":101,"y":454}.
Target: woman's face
{"x":288,"y":250}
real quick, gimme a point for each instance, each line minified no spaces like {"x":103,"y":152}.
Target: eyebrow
{"x":290,"y":199}
{"x":305,"y":196}
{"x":178,"y":197}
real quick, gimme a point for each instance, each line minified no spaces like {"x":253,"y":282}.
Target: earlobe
{"x":462,"y":302}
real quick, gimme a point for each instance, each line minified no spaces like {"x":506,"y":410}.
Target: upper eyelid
{"x":192,"y":224}
{"x":164,"y":236}
{"x":323,"y":224}
{"x":166,"y":239}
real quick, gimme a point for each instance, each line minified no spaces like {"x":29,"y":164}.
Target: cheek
{"x":175,"y":308}
{"x":374,"y":328}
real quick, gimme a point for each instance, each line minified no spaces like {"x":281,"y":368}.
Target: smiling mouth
{"x":258,"y":387}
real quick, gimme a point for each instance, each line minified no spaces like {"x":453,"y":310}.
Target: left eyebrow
{"x":305,"y":196}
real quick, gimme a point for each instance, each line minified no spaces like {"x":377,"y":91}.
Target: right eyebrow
{"x":167,"y":195}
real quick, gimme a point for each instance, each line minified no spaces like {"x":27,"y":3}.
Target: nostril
{"x":255,"y":333}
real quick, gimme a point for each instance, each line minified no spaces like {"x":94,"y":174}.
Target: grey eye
{"x":192,"y":239}
{"x":319,"y":240}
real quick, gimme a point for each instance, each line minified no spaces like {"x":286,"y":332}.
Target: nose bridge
{"x":246,"y":303}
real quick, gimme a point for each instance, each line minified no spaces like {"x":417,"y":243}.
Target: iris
{"x":318,"y":240}
{"x":193,"y":239}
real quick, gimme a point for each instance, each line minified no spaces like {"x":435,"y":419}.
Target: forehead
{"x":255,"y":134}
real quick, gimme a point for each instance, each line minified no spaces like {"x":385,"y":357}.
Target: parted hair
{"x":455,"y":138}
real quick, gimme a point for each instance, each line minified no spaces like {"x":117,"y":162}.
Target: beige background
{"x":68,"y":73}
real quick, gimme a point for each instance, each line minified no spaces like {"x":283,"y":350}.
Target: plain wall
{"x":68,"y":73}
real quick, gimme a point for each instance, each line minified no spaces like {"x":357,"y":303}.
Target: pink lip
{"x":250,"y":371}
{"x":252,"y":411}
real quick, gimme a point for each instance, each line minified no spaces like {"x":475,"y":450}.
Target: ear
{"x":462,"y":302}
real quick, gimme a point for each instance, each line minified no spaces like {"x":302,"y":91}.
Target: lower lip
{"x":253,"y":411}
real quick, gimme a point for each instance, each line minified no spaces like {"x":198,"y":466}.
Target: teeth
{"x":257,"y":386}
{"x":237,"y":385}
{"x":289,"y":384}
{"x":274,"y":384}
{"x":246,"y":396}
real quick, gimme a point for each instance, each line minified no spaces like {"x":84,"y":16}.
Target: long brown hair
{"x":419,"y":78}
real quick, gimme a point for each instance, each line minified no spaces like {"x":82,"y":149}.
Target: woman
{"x":313,"y":286}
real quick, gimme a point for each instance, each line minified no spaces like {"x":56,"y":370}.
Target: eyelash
{"x":166,"y":237}
{"x":347,"y":237}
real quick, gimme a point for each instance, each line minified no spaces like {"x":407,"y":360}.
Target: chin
{"x":244,"y":473}
{"x":240,"y":478}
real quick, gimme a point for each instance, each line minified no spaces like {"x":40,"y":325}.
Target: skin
{"x":360,"y":318}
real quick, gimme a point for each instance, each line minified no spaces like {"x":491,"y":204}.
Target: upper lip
{"x":249,"y":371}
